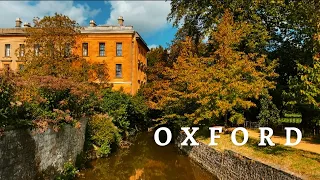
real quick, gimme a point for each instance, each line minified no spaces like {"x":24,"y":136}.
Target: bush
{"x":51,"y":101}
{"x":269,"y":114}
{"x":69,"y":172}
{"x":127,"y":112}
{"x":7,"y":90}
{"x":12,"y":110}
{"x":103,"y":134}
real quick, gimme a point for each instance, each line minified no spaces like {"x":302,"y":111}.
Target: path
{"x":303,"y":145}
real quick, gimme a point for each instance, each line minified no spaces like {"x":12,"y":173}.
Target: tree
{"x":285,"y":29}
{"x":269,"y":114}
{"x":155,"y":55}
{"x":299,"y":70}
{"x":304,"y":93}
{"x":200,"y":88}
{"x":51,"y":49}
{"x":157,"y":62}
{"x":199,"y":18}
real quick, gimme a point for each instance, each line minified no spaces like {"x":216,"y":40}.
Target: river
{"x":145,"y":160}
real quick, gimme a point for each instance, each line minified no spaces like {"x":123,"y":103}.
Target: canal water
{"x":145,"y":160}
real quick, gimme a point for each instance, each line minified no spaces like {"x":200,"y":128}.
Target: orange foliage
{"x":198,"y":88}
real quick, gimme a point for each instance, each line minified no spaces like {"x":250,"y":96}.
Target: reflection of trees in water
{"x":145,"y":160}
{"x":199,"y":173}
{"x":137,"y":175}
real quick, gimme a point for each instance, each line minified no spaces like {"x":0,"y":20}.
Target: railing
{"x":249,"y":124}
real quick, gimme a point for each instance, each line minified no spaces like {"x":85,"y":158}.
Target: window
{"x":118,"y":70}
{"x":84,"y":49}
{"x":36,"y":49}
{"x":7,"y":50}
{"x":119,"y":49}
{"x":21,"y":67}
{"x":102,"y":49}
{"x":21,"y":49}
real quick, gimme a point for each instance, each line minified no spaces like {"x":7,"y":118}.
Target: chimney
{"x":26,"y":25}
{"x":92,"y":23}
{"x":18,"y":22}
{"x":120,"y":21}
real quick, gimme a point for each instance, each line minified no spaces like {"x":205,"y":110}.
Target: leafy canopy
{"x":199,"y":88}
{"x":51,"y":49}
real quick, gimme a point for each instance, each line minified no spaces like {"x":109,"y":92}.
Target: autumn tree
{"x":51,"y":49}
{"x":158,"y":60}
{"x":198,"y":89}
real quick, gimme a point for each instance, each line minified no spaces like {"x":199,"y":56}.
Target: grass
{"x":300,"y":162}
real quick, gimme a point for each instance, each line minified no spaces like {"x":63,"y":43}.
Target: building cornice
{"x":12,"y":31}
{"x":105,"y":29}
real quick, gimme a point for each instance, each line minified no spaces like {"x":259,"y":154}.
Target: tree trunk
{"x":307,"y":125}
{"x":226,"y":120}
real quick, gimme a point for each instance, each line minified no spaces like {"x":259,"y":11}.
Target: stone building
{"x":119,"y":46}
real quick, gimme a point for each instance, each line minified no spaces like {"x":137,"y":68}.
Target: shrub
{"x":51,"y":101}
{"x":127,"y":112}
{"x":7,"y":90}
{"x":69,"y":172}
{"x":11,"y":108}
{"x":103,"y":134}
{"x":269,"y":114}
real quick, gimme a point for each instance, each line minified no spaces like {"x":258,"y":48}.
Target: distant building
{"x":119,"y":46}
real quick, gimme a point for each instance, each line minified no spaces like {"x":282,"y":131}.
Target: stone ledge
{"x":28,"y":155}
{"x":232,"y":165}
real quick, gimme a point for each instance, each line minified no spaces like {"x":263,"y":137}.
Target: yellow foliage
{"x":199,"y":88}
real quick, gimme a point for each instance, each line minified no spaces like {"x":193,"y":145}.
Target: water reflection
{"x":145,"y":160}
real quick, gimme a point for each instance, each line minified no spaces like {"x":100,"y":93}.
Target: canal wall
{"x":231,"y":165}
{"x":27,"y":155}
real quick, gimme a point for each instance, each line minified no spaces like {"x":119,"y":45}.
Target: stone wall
{"x":229,"y":165}
{"x":26,"y":155}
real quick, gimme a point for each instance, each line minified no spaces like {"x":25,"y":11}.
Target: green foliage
{"x":198,"y":19}
{"x":155,"y":55}
{"x":7,"y":89}
{"x":45,"y":101}
{"x":237,"y":118}
{"x":304,"y":92}
{"x":269,"y":114}
{"x":127,"y":112}
{"x":102,"y":134}
{"x":69,"y":172}
{"x":12,"y":110}
{"x":278,"y":28}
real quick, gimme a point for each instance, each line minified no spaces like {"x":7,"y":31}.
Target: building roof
{"x":12,"y":31}
{"x":93,"y":28}
{"x":114,"y":29}
{"x":107,"y":29}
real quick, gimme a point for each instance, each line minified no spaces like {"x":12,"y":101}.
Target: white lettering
{"x":288,"y":136}
{"x":190,"y":136}
{"x":156,"y":136}
{"x":245,"y":136}
{"x":263,"y":137}
{"x":213,"y":135}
